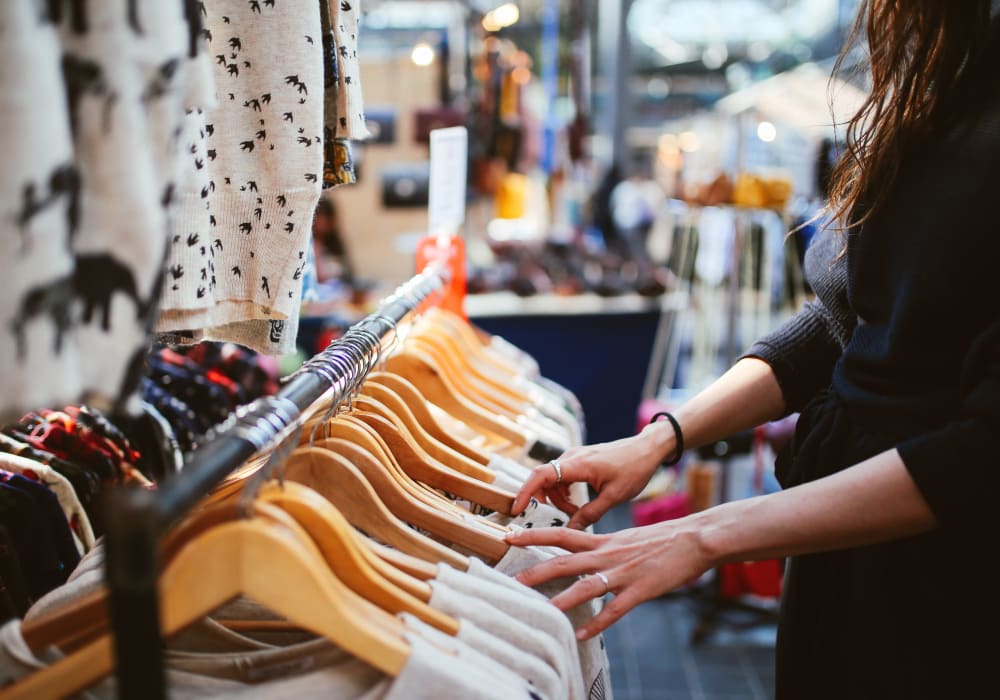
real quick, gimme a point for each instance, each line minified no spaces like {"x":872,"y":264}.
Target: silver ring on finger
{"x":558,"y":467}
{"x":604,"y":580}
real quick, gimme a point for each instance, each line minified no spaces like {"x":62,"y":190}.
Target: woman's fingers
{"x":612,"y":612}
{"x":570,"y":540}
{"x":565,"y":566}
{"x":592,"y":512}
{"x":542,"y":477}
{"x":587,"y":588}
{"x":558,"y":496}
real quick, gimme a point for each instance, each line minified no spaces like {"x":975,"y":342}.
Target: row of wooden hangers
{"x":379,"y":466}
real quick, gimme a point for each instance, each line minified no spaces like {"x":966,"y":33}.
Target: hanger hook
{"x":333,"y":365}
{"x":269,"y":419}
{"x":394,"y":340}
{"x":369,"y":346}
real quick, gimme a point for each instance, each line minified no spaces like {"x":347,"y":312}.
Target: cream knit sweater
{"x":254,"y":177}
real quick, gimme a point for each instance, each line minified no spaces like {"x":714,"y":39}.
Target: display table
{"x":600,"y":348}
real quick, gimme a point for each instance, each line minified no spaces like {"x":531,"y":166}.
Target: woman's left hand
{"x":640,"y":564}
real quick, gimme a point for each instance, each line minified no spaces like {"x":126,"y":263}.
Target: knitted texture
{"x":240,"y":243}
{"x":91,"y":110}
{"x":804,"y":350}
{"x":350,"y":103}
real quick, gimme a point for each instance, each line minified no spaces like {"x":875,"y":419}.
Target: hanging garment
{"x":513,"y":628}
{"x":88,"y":180}
{"x":317,"y":671}
{"x":68,"y":500}
{"x":351,"y":124}
{"x":237,"y":258}
{"x":593,"y":655}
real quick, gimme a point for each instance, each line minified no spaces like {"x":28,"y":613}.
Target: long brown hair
{"x":924,"y":55}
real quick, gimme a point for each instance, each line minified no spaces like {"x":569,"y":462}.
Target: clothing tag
{"x":449,"y":156}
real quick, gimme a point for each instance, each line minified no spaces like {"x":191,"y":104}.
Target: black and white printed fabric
{"x":253,"y":179}
{"x":95,"y":94}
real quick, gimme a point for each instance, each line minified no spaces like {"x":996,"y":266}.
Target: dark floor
{"x":652,"y":656}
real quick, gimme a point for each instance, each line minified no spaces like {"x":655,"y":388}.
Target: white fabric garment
{"x":90,"y":115}
{"x":315,"y":670}
{"x":239,"y":247}
{"x":512,"y":628}
{"x":507,"y":483}
{"x":515,"y":354}
{"x":465,"y":653}
{"x":539,"y":674}
{"x":543,"y":619}
{"x":593,"y":655}
{"x":517,"y":472}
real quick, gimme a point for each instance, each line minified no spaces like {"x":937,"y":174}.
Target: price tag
{"x":449,"y":156}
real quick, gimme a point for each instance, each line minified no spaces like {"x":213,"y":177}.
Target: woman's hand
{"x":617,"y":470}
{"x":640,"y":564}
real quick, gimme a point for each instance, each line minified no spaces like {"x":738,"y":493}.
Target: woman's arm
{"x":874,"y":501}
{"x":745,"y":396}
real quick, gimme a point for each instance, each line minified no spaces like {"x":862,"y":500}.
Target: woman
{"x":893,"y":584}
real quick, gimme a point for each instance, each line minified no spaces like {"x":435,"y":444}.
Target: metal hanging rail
{"x":138,"y":517}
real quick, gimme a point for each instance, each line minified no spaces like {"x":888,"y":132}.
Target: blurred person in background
{"x":332,"y":260}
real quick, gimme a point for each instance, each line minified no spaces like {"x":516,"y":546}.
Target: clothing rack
{"x":138,"y":517}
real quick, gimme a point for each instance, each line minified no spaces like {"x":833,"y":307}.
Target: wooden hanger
{"x":261,"y":560}
{"x":417,"y":568}
{"x":424,"y":468}
{"x":84,"y":619}
{"x":281,"y":494}
{"x":461,"y":532}
{"x":422,"y":371}
{"x":87,"y":615}
{"x":424,"y":492}
{"x":405,"y":418}
{"x":464,"y":382}
{"x":470,"y":364}
{"x":360,"y":433}
{"x":417,"y":404}
{"x":469,"y":338}
{"x":331,"y":474}
{"x":513,"y":413}
{"x":498,"y":396}
{"x":358,"y":568}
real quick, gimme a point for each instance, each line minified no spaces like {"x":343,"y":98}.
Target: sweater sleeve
{"x":803,"y":352}
{"x":955,"y":466}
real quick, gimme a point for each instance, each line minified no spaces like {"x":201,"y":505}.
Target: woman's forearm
{"x":874,"y":501}
{"x":743,"y":398}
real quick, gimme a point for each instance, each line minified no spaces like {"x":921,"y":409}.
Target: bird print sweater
{"x":254,"y":176}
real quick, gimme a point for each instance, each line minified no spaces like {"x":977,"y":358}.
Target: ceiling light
{"x":423,"y":54}
{"x":767,"y":132}
{"x":501,"y":17}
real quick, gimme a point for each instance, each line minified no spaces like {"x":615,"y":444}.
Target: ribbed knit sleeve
{"x":803,"y":352}
{"x":955,"y":466}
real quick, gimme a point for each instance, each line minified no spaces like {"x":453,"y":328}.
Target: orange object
{"x":449,"y":251}
{"x":510,"y":196}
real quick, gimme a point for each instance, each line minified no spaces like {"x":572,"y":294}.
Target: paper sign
{"x":446,"y":206}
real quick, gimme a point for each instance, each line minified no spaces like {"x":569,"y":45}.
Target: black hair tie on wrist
{"x":679,"y":449}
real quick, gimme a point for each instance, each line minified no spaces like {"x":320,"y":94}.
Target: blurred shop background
{"x":644,"y":177}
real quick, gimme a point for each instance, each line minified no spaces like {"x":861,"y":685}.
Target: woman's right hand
{"x":617,"y":471}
